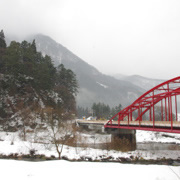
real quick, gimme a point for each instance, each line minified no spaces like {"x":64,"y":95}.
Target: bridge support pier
{"x":122,"y":139}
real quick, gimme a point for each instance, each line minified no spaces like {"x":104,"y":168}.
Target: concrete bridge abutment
{"x":122,"y":139}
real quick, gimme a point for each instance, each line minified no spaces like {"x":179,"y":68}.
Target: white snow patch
{"x":41,"y":103}
{"x":104,"y":86}
{"x":55,"y":96}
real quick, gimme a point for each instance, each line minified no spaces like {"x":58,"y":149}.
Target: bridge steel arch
{"x":155,"y":110}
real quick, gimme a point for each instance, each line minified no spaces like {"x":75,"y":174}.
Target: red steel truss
{"x":155,"y":110}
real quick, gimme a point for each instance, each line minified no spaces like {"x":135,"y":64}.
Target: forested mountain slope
{"x":30,"y":85}
{"x":94,"y":86}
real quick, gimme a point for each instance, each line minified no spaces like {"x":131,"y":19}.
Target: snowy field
{"x":22,"y":170}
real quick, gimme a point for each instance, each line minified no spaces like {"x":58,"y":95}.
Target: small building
{"x":91,"y":118}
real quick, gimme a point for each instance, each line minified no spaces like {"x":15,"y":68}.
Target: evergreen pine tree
{"x":2,"y":49}
{"x":2,"y":40}
{"x":33,"y":46}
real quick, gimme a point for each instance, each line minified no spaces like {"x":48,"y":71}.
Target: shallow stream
{"x":157,"y":146}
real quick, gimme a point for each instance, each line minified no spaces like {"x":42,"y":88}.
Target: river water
{"x":157,"y":146}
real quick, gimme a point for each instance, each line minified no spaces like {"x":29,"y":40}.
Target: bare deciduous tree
{"x":60,"y":132}
{"x":26,"y":118}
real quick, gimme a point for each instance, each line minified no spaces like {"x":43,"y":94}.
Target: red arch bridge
{"x":155,"y":110}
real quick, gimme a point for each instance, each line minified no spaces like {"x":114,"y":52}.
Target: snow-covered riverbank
{"x":10,"y":143}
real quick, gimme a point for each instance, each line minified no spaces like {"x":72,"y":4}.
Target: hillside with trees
{"x":30,"y":85}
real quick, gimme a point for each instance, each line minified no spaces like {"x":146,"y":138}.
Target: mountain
{"x":142,"y":82}
{"x":94,"y":86}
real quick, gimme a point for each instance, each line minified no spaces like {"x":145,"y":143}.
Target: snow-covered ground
{"x":22,"y":170}
{"x":160,"y":137}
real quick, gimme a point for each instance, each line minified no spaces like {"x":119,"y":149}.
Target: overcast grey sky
{"x":116,"y":36}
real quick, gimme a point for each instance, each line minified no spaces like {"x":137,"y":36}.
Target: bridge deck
{"x":148,"y":123}
{"x":160,"y":126}
{"x":98,"y":122}
{"x":133,"y":123}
